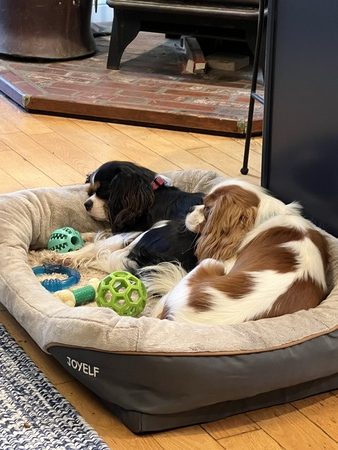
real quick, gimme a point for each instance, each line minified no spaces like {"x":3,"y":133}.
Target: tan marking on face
{"x":92,"y":188}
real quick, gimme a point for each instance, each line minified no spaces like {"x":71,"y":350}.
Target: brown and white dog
{"x":258,"y":258}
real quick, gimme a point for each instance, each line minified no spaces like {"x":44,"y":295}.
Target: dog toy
{"x":64,"y":240}
{"x":123,"y":292}
{"x":55,"y":284}
{"x":79,"y":296}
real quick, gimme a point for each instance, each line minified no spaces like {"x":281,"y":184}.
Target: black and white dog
{"x":146,"y":216}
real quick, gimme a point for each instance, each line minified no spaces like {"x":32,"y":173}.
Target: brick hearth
{"x":149,"y":88}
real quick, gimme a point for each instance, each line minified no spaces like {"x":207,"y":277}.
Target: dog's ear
{"x":131,"y":197}
{"x":88,"y":177}
{"x":229,"y":220}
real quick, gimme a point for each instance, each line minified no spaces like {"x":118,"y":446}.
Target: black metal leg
{"x":245,"y":169}
{"x":125,"y":28}
{"x":256,"y":64}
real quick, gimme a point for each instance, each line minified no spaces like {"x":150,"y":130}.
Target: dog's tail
{"x":162,"y":278}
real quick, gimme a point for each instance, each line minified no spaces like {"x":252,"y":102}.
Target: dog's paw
{"x":70,"y":260}
{"x":89,"y":237}
{"x":55,"y":258}
{"x":63,"y":259}
{"x":43,"y":257}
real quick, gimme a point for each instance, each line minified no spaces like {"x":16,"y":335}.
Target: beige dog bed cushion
{"x":160,"y":374}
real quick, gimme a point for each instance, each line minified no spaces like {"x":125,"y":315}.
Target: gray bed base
{"x":154,"y":393}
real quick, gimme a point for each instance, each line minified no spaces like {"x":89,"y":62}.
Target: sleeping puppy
{"x":258,"y":258}
{"x":134,"y":199}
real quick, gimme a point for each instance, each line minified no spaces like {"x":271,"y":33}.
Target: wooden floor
{"x":38,"y":151}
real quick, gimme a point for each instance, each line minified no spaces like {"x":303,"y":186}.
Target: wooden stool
{"x":235,"y":20}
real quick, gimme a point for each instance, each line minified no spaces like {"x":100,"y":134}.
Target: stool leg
{"x":256,"y":63}
{"x":125,"y":28}
{"x":245,"y":169}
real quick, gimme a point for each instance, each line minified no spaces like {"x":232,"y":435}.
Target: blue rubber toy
{"x":54,"y":284}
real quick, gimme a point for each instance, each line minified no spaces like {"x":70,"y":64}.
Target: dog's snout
{"x":88,"y":204}
{"x":191,"y":209}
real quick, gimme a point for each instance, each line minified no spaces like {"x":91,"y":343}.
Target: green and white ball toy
{"x":65,"y":240}
{"x":123,"y":292}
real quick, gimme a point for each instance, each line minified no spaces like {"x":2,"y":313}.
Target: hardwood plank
{"x":99,"y":139}
{"x":187,"y":159}
{"x":24,"y":121}
{"x":252,"y":440}
{"x":3,"y":146}
{"x":322,"y":410}
{"x":193,"y":438}
{"x":230,"y":426}
{"x":180,"y":139}
{"x":7,"y":126}
{"x":8,"y":183}
{"x":232,"y":148}
{"x":71,"y":154}
{"x":291,"y":429}
{"x":34,"y":125}
{"x":228,"y":166}
{"x":133,"y":150}
{"x":255,"y":144}
{"x":70,"y":130}
{"x":161,"y":146}
{"x":24,"y":172}
{"x":49,"y":164}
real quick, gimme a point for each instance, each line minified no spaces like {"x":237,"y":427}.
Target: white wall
{"x":104,"y":13}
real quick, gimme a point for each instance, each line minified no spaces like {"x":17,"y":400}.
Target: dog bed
{"x":157,"y":374}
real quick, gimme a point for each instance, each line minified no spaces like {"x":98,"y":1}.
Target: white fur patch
{"x":194,"y":219}
{"x":160,"y":279}
{"x":98,"y":210}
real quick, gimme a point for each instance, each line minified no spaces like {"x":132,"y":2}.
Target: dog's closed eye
{"x":206,"y":211}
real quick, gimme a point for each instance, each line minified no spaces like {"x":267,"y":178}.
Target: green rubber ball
{"x":65,"y":240}
{"x":122,"y":292}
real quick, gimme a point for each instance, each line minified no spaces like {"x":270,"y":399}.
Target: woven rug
{"x":34,"y":416}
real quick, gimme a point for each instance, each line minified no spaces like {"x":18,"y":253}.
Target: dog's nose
{"x":191,"y":209}
{"x":88,"y":204}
